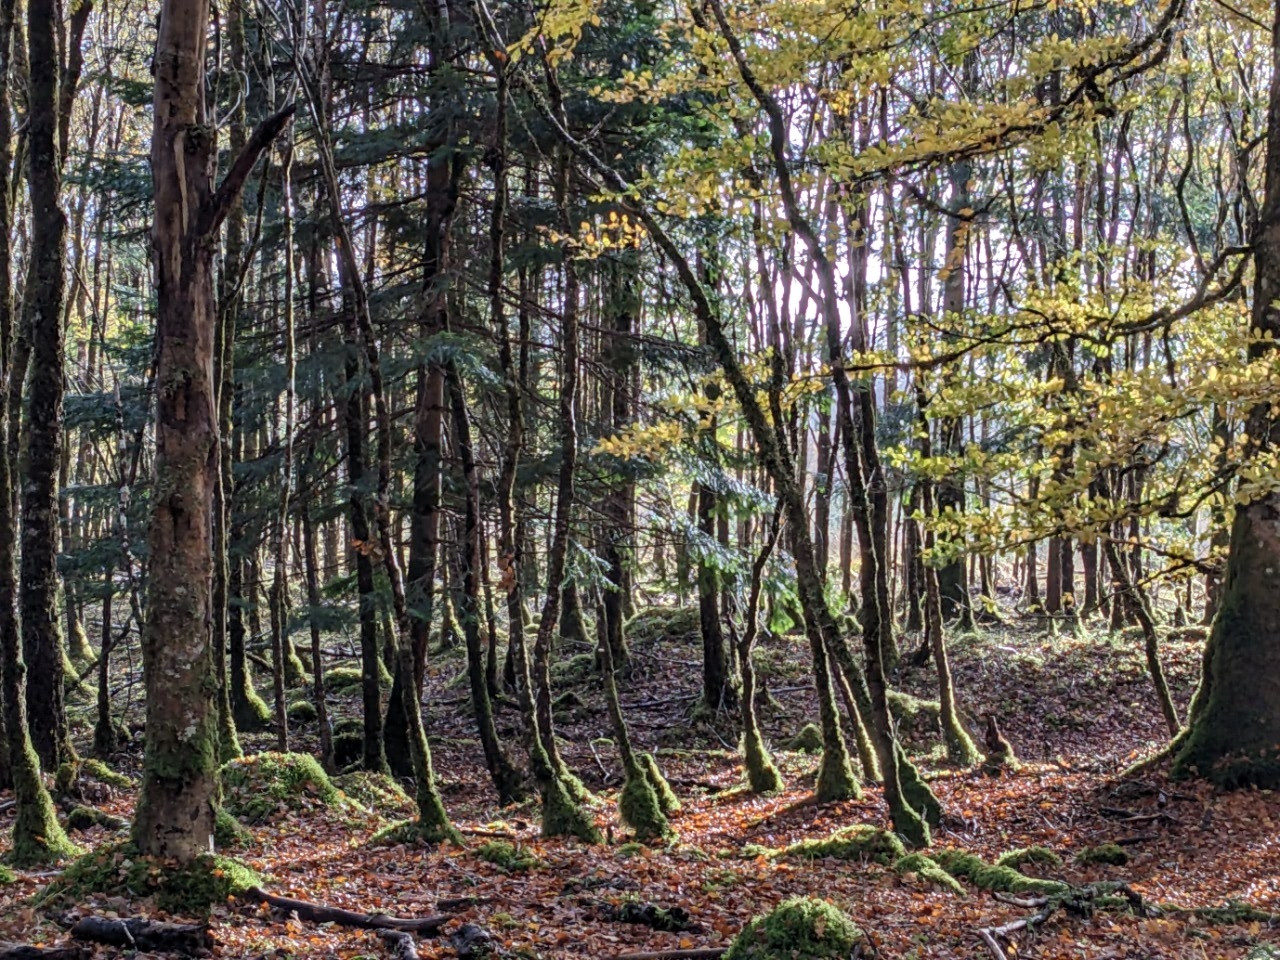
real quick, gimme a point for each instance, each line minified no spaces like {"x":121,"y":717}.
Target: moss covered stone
{"x":257,"y":787}
{"x":120,"y":870}
{"x":506,"y":856}
{"x":861,"y":842}
{"x":577,"y":669}
{"x":1025,"y":855}
{"x":801,"y":929}
{"x":377,"y":791}
{"x":348,"y":748}
{"x":7,"y":876}
{"x":349,"y":725}
{"x":302,"y":712}
{"x":345,"y":679}
{"x":664,"y":624}
{"x":412,"y":832}
{"x":926,"y":868}
{"x":808,"y":740}
{"x":986,"y":876}
{"x":1109,"y":853}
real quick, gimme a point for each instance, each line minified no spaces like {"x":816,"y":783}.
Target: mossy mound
{"x":83,"y":817}
{"x":808,"y":740}
{"x":1111,"y":854}
{"x":302,"y":712}
{"x":986,"y":876}
{"x":629,"y":850}
{"x":577,"y":669}
{"x":348,"y":725}
{"x":260,"y":786}
{"x":346,"y":679}
{"x":915,"y":717}
{"x":228,"y":831}
{"x":506,"y":856}
{"x":377,"y":791}
{"x":1025,"y":855}
{"x":926,"y":868}
{"x":860,"y":842}
{"x":664,"y":624}
{"x":119,"y":870}
{"x":801,"y":929}
{"x":6,"y":875}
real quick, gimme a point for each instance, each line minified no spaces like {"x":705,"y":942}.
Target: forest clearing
{"x":642,"y":480}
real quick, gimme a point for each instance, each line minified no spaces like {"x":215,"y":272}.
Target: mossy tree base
{"x":412,"y":832}
{"x":120,"y":870}
{"x":258,"y":786}
{"x":639,"y":809}
{"x":667,"y":799}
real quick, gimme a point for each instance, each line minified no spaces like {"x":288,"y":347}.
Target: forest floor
{"x":1077,"y":707}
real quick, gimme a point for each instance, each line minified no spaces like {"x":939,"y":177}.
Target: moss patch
{"x":1109,"y":853}
{"x":346,"y":679}
{"x":800,"y":929}
{"x":83,"y":817}
{"x":926,"y":868}
{"x":228,"y":831}
{"x":639,"y":808}
{"x":667,"y":799}
{"x":119,"y":870}
{"x":348,"y":748}
{"x":664,"y":624}
{"x":377,"y":791}
{"x":986,"y":876}
{"x":6,"y":875}
{"x":506,"y":856}
{"x":302,"y":711}
{"x":257,"y":787}
{"x":410,"y":833}
{"x":577,"y":669}
{"x":1025,"y":855}
{"x":859,"y":842}
{"x":808,"y":740}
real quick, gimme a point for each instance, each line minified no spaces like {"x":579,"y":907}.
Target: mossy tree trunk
{"x":1233,"y":735}
{"x":763,"y":775}
{"x":176,"y":806}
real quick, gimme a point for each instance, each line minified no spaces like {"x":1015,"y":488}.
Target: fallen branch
{"x":402,"y":945}
{"x":137,"y":933}
{"x":319,"y":913}
{"x":989,"y":935}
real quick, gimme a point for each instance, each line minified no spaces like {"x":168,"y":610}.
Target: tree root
{"x":319,"y":913}
{"x":24,"y":951}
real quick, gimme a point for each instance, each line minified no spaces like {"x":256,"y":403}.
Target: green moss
{"x":860,"y":842}
{"x":800,"y":929}
{"x":83,"y":817}
{"x":664,"y":624}
{"x":763,"y":775}
{"x":667,"y":799}
{"x":577,"y":669}
{"x":257,"y":787}
{"x":639,"y":809}
{"x":346,"y":679}
{"x":349,"y":725}
{"x":926,"y":868}
{"x":119,"y":870}
{"x":562,"y":816}
{"x":1108,"y":853}
{"x":808,"y":740}
{"x":985,"y":876}
{"x":412,"y":832}
{"x":7,"y":876}
{"x":1024,"y":855}
{"x":302,"y":711}
{"x":506,"y":856}
{"x":629,"y":850}
{"x":377,"y":791}
{"x":752,"y":851}
{"x":228,"y":831}
{"x":836,"y":780}
{"x":250,"y":711}
{"x":914,"y":715}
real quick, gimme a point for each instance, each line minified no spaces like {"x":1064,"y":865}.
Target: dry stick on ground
{"x":319,"y":913}
{"x":989,"y":935}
